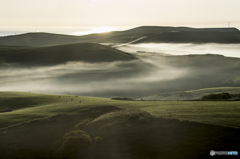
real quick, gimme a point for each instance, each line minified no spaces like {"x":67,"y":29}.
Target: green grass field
{"x":31,"y":106}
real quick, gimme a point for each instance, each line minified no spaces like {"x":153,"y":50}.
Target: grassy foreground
{"x":31,"y":106}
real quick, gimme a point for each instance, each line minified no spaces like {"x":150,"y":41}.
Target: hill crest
{"x":154,"y":33}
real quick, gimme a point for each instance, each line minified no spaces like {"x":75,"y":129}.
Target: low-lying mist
{"x":150,"y":74}
{"x":229,"y":50}
{"x":134,"y":78}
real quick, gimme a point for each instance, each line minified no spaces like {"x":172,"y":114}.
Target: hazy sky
{"x":114,"y":13}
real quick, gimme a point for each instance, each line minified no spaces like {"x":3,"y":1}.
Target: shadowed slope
{"x":51,"y":55}
{"x":136,"y":134}
{"x":36,"y":138}
{"x":128,"y":134}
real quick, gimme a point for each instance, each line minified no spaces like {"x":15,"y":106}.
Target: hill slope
{"x":31,"y":106}
{"x":51,"y":55}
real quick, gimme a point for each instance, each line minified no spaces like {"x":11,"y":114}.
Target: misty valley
{"x":141,"y":74}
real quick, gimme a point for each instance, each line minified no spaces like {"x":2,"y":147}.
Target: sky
{"x":118,"y":13}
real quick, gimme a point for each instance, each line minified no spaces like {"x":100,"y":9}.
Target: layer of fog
{"x":229,"y":50}
{"x":134,"y":78}
{"x":151,"y":74}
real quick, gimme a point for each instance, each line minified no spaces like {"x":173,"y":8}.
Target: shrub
{"x":121,"y":98}
{"x":75,"y":133}
{"x":97,"y":139}
{"x":77,"y":141}
{"x":83,"y":123}
{"x":73,"y":142}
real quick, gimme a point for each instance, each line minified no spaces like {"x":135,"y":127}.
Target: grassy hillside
{"x":51,"y":55}
{"x":31,"y":106}
{"x":192,"y":94}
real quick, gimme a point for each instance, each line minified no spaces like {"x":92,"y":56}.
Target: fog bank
{"x":229,"y":50}
{"x":152,"y":73}
{"x":133,"y":78}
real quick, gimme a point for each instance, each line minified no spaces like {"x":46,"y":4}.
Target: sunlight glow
{"x":96,"y":30}
{"x":102,"y":29}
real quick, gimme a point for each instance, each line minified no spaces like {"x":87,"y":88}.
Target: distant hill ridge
{"x":37,"y":39}
{"x":192,"y":94}
{"x":153,"y":33}
{"x":52,"y":55}
{"x":210,"y":29}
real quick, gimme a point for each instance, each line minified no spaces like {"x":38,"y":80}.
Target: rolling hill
{"x":52,"y":55}
{"x":154,"y":34}
{"x":28,"y":106}
{"x":45,"y":39}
